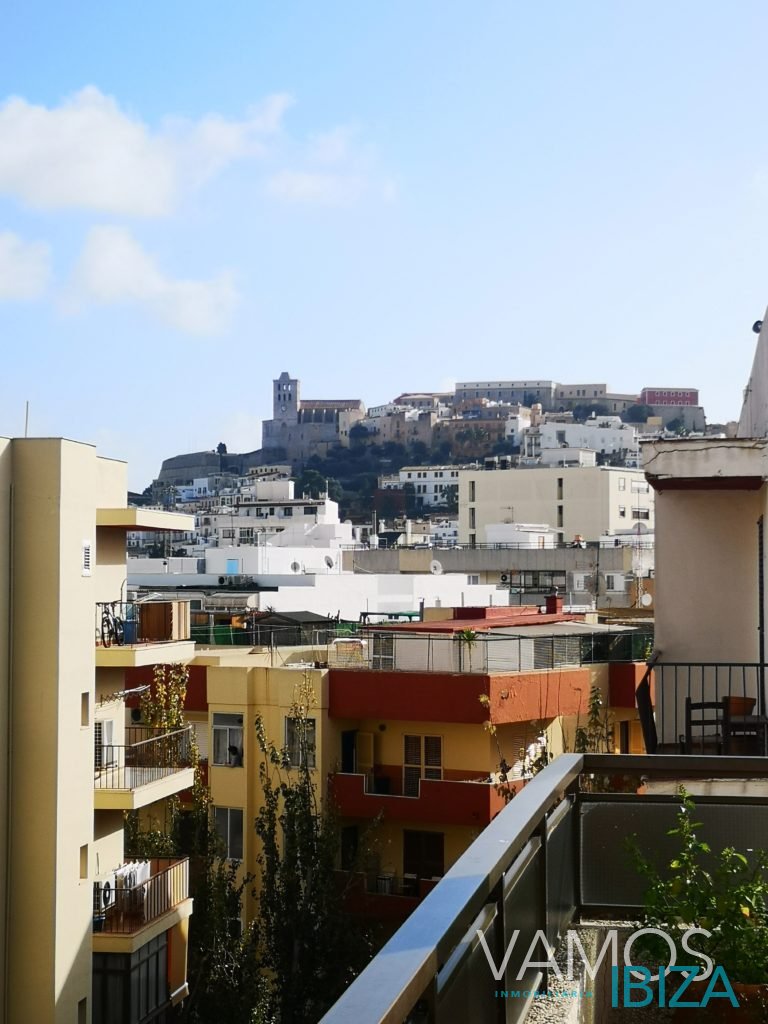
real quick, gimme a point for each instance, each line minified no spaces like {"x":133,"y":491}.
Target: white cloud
{"x":24,"y":267}
{"x":89,"y":153}
{"x":332,"y":169}
{"x":316,"y":187}
{"x":114,"y":268}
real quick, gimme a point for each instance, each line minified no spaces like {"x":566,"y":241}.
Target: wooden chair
{"x":700,"y":717}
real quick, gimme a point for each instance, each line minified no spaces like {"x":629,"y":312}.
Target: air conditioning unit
{"x":504,"y":577}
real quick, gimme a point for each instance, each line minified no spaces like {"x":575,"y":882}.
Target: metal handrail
{"x":127,"y":910}
{"x":396,"y":978}
{"x":405,"y":972}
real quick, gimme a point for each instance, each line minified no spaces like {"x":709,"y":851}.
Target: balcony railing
{"x":125,"y":623}
{"x":553,"y":854}
{"x":487,"y":652}
{"x":676,"y":682}
{"x":154,"y":754}
{"x":442,"y":801}
{"x":125,"y":908}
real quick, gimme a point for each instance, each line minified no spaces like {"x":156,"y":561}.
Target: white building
{"x":432,"y":484}
{"x":604,"y":434}
{"x":586,"y":501}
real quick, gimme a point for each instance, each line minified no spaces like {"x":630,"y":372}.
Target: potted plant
{"x":725,"y":894}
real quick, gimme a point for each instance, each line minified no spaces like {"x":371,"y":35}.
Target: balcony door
{"x":423,"y":854}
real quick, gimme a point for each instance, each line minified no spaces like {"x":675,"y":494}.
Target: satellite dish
{"x":757,"y":326}
{"x":329,"y":562}
{"x":436,"y":567}
{"x":646,"y":600}
{"x":295,"y":567}
{"x":252,"y":601}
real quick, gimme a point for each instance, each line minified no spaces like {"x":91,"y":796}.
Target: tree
{"x":307,"y":945}
{"x":226,"y":984}
{"x":221,"y":448}
{"x":637,"y":413}
{"x":585,"y":410}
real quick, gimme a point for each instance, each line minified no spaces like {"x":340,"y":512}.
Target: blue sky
{"x":376,"y":197}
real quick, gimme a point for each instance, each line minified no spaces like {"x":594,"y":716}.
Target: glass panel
{"x":235,"y":834}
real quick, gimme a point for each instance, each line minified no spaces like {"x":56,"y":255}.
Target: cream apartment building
{"x":69,"y":950}
{"x":582,"y":502}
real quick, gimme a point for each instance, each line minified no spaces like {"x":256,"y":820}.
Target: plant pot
{"x":752,"y":1008}
{"x":740,"y":705}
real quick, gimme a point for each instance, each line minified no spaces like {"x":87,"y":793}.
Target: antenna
{"x":435,"y":567}
{"x":26,"y":419}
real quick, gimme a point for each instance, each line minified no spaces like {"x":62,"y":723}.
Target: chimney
{"x":554,"y":603}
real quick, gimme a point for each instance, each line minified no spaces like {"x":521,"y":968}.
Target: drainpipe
{"x":761,"y":615}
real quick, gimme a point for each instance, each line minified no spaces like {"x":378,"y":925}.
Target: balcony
{"x":127,"y":916}
{"x":131,"y":634}
{"x":553,"y":858}
{"x":439,"y":802}
{"x":386,"y":898}
{"x":155,"y":765}
{"x":741,"y":725}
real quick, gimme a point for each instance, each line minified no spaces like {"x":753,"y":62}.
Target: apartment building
{"x":584,"y":502}
{"x":524,"y":392}
{"x":432,"y":485}
{"x":73,"y":948}
{"x":408,"y":704}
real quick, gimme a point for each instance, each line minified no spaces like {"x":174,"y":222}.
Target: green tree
{"x":307,"y":944}
{"x":637,"y":413}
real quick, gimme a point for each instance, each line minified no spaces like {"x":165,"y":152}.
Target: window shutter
{"x":412,"y":750}
{"x":85,"y":564}
{"x":433,"y":757}
{"x":411,"y":780}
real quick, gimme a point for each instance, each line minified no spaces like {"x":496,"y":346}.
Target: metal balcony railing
{"x":553,"y":854}
{"x":123,"y":905}
{"x":487,"y":652}
{"x":124,"y":623}
{"x":675,"y":682}
{"x":153,"y":754}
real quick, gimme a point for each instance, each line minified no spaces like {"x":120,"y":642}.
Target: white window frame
{"x":226,"y":732}
{"x":228,"y":817}
{"x":292,"y":746}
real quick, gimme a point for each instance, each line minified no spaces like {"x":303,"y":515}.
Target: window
{"x":383,"y":655}
{"x":300,"y":741}
{"x":471,"y":490}
{"x":622,"y":511}
{"x":229,"y":824}
{"x":422,"y":759}
{"x":85,"y":564}
{"x":473,"y":580}
{"x":559,"y":488}
{"x":622,"y":483}
{"x":228,"y":739}
{"x":472,"y":519}
{"x":309,"y":510}
{"x":287,"y":512}
{"x":640,"y":487}
{"x":559,"y":515}
{"x":641,"y":513}
{"x":85,"y":709}
{"x":423,"y":854}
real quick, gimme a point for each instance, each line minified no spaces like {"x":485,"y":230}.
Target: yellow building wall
{"x":5,"y":600}
{"x":238,"y":689}
{"x":51,"y":751}
{"x":466,"y":747}
{"x":386,"y":842}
